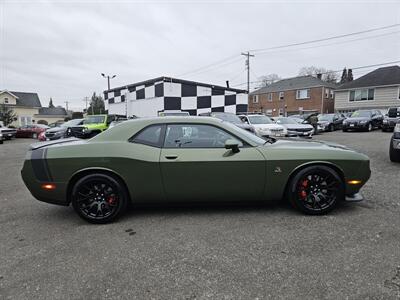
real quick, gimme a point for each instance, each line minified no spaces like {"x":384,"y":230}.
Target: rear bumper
{"x":34,"y":185}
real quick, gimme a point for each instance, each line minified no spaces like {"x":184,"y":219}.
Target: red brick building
{"x":295,"y":95}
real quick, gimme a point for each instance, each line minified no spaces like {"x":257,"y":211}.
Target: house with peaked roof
{"x":51,"y":114}
{"x":24,"y":105}
{"x":379,"y":89}
{"x":28,"y":108}
{"x":295,"y":95}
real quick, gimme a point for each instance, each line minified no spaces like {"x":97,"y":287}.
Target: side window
{"x":195,"y":136}
{"x":150,"y":136}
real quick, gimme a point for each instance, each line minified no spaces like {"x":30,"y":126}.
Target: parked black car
{"x":394,"y":148}
{"x":60,"y":131}
{"x":393,"y":116}
{"x":330,"y":122}
{"x":231,"y":118}
{"x":365,"y":120}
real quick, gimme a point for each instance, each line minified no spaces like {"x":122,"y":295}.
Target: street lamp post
{"x":108,"y":79}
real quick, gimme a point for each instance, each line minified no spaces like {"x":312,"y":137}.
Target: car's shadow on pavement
{"x":144,"y":211}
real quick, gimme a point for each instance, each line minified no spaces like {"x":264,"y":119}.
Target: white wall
{"x":146,"y":107}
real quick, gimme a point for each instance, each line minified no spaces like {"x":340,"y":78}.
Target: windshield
{"x":286,"y":121}
{"x":260,"y":120}
{"x":94,"y":119}
{"x":361,"y":113}
{"x":325,"y":117}
{"x":228,"y":118}
{"x":248,"y":134}
{"x":71,"y":123}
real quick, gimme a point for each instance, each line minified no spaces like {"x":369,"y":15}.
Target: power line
{"x":337,"y":71}
{"x":234,"y":58}
{"x":326,"y":39}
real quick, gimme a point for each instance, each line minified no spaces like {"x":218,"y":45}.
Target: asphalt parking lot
{"x":219,"y":252}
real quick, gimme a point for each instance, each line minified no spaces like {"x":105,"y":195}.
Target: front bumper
{"x":357,"y":197}
{"x":355,"y":126}
{"x":308,"y":134}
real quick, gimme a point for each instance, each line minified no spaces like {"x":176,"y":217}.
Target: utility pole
{"x":86,"y":99}
{"x":248,"y":55}
{"x":108,"y":79}
{"x":66,"y":105}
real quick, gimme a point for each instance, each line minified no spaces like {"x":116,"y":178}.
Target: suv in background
{"x":365,"y":120}
{"x":393,"y":116}
{"x":231,"y":118}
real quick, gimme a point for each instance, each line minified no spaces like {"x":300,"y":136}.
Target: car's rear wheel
{"x":331,"y":128}
{"x":316,"y":190}
{"x":394,"y":154}
{"x":99,"y":198}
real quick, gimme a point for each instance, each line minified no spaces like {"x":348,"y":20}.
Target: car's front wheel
{"x":316,"y":190}
{"x":99,"y":198}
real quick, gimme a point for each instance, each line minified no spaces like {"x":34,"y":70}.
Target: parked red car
{"x":31,"y":131}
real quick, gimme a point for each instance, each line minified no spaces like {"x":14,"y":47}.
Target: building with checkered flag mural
{"x":162,"y":94}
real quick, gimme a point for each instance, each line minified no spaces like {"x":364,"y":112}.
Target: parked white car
{"x":264,"y":126}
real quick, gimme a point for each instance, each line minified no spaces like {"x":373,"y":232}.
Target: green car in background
{"x":170,"y":159}
{"x":92,"y":125}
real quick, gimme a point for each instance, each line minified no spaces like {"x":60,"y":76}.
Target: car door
{"x":196,"y":166}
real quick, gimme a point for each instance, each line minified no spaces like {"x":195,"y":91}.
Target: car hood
{"x":297,"y":126}
{"x":357,"y":119}
{"x":6,"y":128}
{"x":305,"y":144}
{"x":243,"y":125}
{"x":323,"y":122}
{"x":56,"y":129}
{"x":267,"y":126}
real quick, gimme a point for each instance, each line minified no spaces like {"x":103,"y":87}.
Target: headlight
{"x":397,"y":127}
{"x":84,"y":129}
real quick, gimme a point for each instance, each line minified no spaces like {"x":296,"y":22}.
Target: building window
{"x":6,"y":100}
{"x":270,"y":97}
{"x":268,"y":112}
{"x":281,"y":111}
{"x":281,"y":95}
{"x":302,"y":94}
{"x":361,"y":95}
{"x":326,"y":93}
{"x":332,"y":94}
{"x":255,"y":99}
{"x":399,"y":93}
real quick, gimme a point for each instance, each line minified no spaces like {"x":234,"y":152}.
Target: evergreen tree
{"x":96,"y":105}
{"x":350,"y":75}
{"x":51,"y":105}
{"x":344,"y":77}
{"x":7,"y":115}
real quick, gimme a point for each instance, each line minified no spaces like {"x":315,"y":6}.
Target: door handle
{"x":171,"y":157}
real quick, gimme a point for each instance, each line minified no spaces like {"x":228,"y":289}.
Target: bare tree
{"x":268,"y":79}
{"x":326,"y":75}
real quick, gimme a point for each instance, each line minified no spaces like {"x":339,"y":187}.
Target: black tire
{"x":316,"y":190}
{"x":369,"y":127}
{"x":344,"y":130}
{"x":96,"y":193}
{"x":331,"y":128}
{"x":394,"y":155}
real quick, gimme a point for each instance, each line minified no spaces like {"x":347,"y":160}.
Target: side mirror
{"x":232,"y":145}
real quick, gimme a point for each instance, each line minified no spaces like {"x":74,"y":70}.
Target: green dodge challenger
{"x":173,"y":159}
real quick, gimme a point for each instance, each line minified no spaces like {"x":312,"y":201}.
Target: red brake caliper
{"x":111,"y":200}
{"x":303,"y":186}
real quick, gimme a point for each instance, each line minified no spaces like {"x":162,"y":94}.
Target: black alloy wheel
{"x":369,"y":128}
{"x":99,"y":198}
{"x":316,"y":190}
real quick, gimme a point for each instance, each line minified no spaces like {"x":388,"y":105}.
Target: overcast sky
{"x":59,"y":48}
